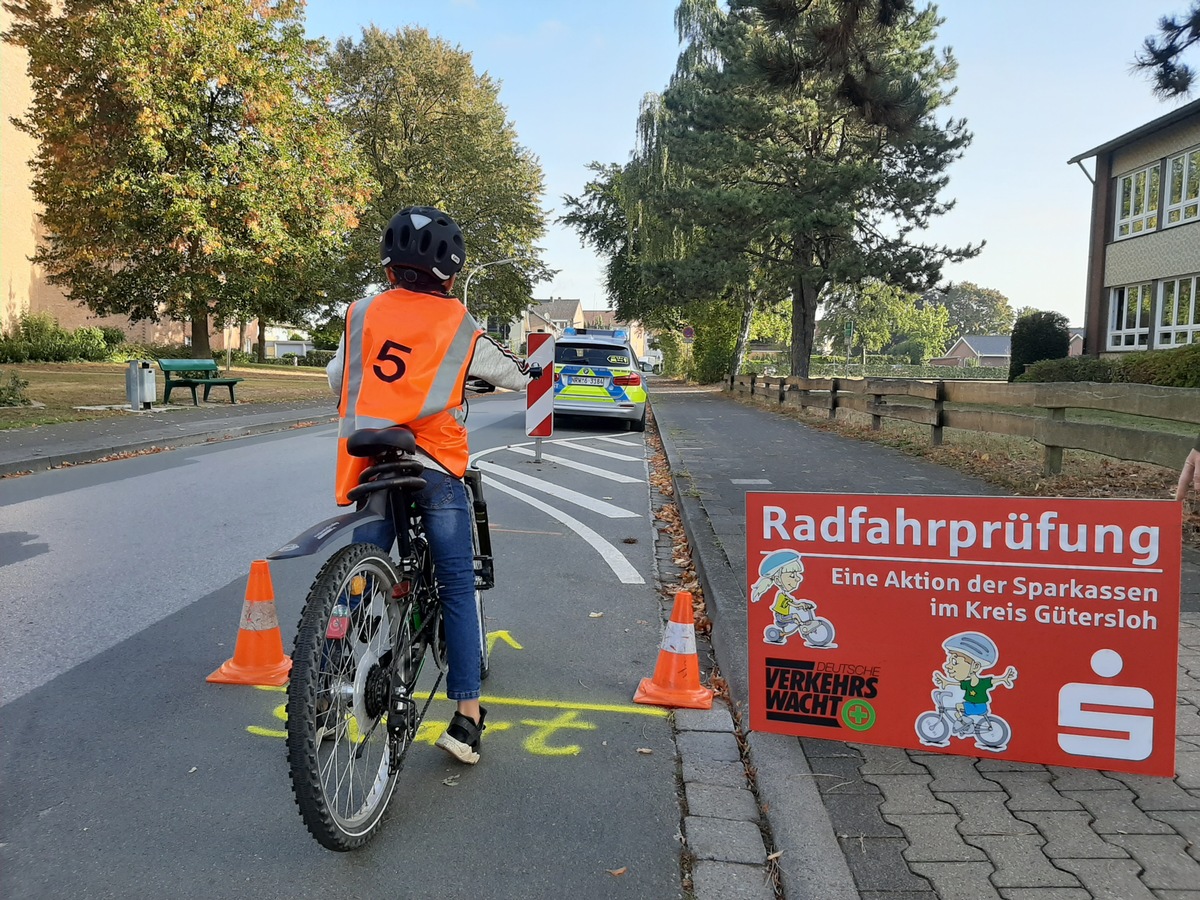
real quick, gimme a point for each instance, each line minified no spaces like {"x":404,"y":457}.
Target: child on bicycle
{"x":403,"y":359}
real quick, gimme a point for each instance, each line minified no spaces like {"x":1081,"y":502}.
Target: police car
{"x":596,"y":374}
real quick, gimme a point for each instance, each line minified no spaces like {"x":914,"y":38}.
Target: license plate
{"x":587,"y":380}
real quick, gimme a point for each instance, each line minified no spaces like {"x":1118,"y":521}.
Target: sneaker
{"x":461,"y":738}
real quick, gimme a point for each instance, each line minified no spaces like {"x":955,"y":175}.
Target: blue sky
{"x":1039,"y":82}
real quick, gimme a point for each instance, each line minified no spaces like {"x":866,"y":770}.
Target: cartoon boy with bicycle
{"x":783,"y":571}
{"x":968,"y":655}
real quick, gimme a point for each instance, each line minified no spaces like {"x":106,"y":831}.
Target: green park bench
{"x":194,"y":373}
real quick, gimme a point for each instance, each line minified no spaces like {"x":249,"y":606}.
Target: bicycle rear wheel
{"x":339,"y":754}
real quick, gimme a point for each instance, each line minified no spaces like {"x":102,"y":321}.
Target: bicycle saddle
{"x":375,"y":441}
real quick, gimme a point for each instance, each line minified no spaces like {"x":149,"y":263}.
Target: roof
{"x":1175,"y":115}
{"x":988,"y":344}
{"x":600,"y":318}
{"x":558,"y":309}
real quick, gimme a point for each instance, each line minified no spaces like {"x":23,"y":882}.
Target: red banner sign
{"x":1034,"y":629}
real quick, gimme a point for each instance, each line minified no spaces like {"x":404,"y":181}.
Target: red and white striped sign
{"x":539,"y":410}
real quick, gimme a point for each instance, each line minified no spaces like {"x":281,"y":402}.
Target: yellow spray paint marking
{"x":537,"y":744}
{"x":494,"y":636}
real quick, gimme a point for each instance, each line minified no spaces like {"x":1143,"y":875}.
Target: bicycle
{"x":935,"y":726}
{"x":368,"y":623}
{"x":816,"y":631}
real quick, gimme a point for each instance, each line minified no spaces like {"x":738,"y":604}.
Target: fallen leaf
{"x":617,"y":872}
{"x":595,"y":615}
{"x":646,"y":750}
{"x":452,"y":781}
{"x":191,"y":770}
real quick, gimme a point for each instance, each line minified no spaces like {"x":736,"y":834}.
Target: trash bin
{"x":139,"y":384}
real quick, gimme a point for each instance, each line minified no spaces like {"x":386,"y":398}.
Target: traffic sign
{"x":539,"y":408}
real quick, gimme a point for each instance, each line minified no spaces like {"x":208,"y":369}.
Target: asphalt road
{"x":125,"y":774}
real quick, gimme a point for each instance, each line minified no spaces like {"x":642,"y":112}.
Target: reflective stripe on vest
{"x":387,"y":383}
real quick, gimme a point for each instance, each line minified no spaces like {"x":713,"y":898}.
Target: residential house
{"x":992,"y":350}
{"x":1143,"y":277}
{"x":1076,"y":346}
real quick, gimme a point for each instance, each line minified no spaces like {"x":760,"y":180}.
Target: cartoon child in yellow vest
{"x":783,"y":570}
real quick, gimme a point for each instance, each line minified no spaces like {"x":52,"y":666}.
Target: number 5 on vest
{"x":388,"y":353}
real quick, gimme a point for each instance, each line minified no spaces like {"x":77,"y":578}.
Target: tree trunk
{"x":201,"y":349}
{"x":739,"y":351}
{"x":260,"y":347}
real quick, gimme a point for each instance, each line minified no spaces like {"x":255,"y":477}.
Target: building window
{"x":1183,"y":188}
{"x":1129,"y":321}
{"x":1137,"y":202}
{"x":1179,"y":312}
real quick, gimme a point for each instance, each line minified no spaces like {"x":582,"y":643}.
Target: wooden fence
{"x":963,"y":404}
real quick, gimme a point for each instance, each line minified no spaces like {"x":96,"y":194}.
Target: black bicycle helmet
{"x":425,"y":239}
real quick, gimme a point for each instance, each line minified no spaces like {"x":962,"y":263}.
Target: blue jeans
{"x":447,"y":517}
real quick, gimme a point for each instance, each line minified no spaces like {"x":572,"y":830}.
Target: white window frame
{"x":1124,"y":334}
{"x":1178,"y":322}
{"x":1186,"y":208}
{"x":1140,"y":215}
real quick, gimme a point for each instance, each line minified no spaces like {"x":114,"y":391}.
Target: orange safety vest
{"x":406,"y":361}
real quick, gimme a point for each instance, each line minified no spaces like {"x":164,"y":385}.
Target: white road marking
{"x":582,"y":467}
{"x":749,"y":480}
{"x":562,"y":493}
{"x":624,"y":442}
{"x":621,"y":566}
{"x":598,"y":452}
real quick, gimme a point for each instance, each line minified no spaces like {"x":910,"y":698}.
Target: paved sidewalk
{"x":849,"y":820}
{"x":71,"y":443}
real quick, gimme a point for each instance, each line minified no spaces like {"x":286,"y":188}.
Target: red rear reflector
{"x":401,"y":590}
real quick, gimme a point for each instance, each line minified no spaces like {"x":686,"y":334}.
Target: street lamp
{"x":495,"y":262}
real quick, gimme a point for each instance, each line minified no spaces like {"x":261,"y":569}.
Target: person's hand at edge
{"x":1189,"y":476}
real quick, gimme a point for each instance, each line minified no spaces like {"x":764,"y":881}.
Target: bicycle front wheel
{"x":339,"y":753}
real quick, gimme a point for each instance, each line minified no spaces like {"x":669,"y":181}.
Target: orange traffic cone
{"x":676,"y":681}
{"x":258,"y":657}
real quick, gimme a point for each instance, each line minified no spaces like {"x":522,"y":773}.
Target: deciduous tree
{"x":973,"y":309}
{"x":187,"y":163}
{"x":434,"y":133}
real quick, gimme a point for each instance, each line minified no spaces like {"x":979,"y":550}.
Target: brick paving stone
{"x":935,"y":839}
{"x":898,"y":895}
{"x":1020,"y":862}
{"x":1187,"y":769}
{"x":1068,"y":835}
{"x":1164,"y":860}
{"x":721,"y":802}
{"x":991,"y":764}
{"x":727,"y":774}
{"x":1065,"y":779}
{"x":815,"y":747}
{"x":877,"y":864}
{"x":956,"y":773}
{"x":1031,"y":790}
{"x":1158,"y":793}
{"x":1045,"y":894}
{"x":907,"y":794}
{"x":958,"y":880}
{"x":724,"y":840}
{"x":839,"y":775}
{"x":887,"y":761}
{"x":1178,"y":895}
{"x":1187,"y":719}
{"x":1109,"y":879}
{"x":857,"y":815}
{"x":712,"y":880}
{"x":716,"y":719}
{"x":985,"y":813}
{"x":1114,"y":812}
{"x":711,"y":745}
{"x":1187,"y":824}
